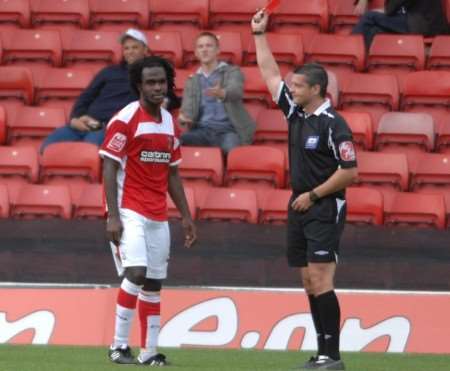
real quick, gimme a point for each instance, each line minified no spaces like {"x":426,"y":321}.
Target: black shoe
{"x":158,"y":360}
{"x":327,"y":363}
{"x":122,"y":356}
{"x":311,"y":363}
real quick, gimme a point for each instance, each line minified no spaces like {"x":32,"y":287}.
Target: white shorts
{"x":144,"y":243}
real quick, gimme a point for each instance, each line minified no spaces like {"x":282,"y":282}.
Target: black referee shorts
{"x":314,"y":236}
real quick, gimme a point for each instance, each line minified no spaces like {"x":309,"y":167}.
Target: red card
{"x":273,"y":4}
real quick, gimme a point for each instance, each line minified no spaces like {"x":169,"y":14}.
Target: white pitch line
{"x":221,"y":288}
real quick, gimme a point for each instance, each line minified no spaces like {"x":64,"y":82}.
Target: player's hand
{"x":302,"y":202}
{"x":190,"y":232}
{"x":259,"y":21}
{"x":114,"y":229}
{"x":216,"y":91}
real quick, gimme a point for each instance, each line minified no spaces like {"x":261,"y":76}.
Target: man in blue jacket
{"x":107,"y":93}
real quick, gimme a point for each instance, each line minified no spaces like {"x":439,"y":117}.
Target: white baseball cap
{"x":134,"y":34}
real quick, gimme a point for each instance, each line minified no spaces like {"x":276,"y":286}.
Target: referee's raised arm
{"x":266,"y":62}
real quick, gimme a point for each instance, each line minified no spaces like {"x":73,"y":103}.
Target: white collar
{"x":319,"y":110}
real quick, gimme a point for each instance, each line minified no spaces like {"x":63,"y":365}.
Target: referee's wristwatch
{"x":313,"y":197}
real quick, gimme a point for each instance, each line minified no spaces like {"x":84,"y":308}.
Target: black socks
{"x":330,"y":317}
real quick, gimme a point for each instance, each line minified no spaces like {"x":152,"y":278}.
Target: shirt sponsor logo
{"x":347,"y":151}
{"x":312,"y":142}
{"x":117,"y":142}
{"x":155,"y":156}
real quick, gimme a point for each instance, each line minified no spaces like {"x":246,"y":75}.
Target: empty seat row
{"x":367,"y":206}
{"x":316,"y":15}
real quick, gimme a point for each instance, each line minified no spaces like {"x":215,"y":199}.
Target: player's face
{"x":206,"y":50}
{"x":132,"y":50}
{"x":301,"y":91}
{"x":154,"y":85}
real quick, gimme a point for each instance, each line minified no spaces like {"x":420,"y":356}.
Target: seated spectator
{"x":424,"y":17}
{"x":108,"y":92}
{"x":212,"y":106}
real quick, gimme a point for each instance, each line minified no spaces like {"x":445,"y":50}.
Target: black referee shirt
{"x":319,"y":143}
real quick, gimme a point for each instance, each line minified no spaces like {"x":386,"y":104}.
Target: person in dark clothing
{"x":322,"y":163}
{"x":424,"y":17}
{"x":108,"y":92}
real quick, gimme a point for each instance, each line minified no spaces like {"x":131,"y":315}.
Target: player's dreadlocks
{"x":135,"y":71}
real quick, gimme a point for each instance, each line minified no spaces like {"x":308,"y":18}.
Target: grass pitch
{"x":59,"y":358}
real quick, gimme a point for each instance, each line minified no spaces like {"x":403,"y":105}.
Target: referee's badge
{"x":312,"y":142}
{"x":347,"y":151}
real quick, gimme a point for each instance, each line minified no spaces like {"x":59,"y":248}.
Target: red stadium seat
{"x":73,"y":159}
{"x":36,"y":122}
{"x":364,"y":206}
{"x":2,"y":125}
{"x":62,"y":83}
{"x":416,"y":209}
{"x":432,"y":170}
{"x":226,"y":11}
{"x":287,"y":49}
{"x":193,"y":12}
{"x":342,"y":16}
{"x":375,"y":94}
{"x":15,"y":12}
{"x":16,"y":83}
{"x":274,"y":209}
{"x":443,"y":139}
{"x":42,"y":201}
{"x":19,"y":162}
{"x":172,"y":209}
{"x":114,"y":14}
{"x":384,"y":170}
{"x":202,"y":163}
{"x":89,"y":47}
{"x":166,"y":44}
{"x":60,"y":12}
{"x":230,"y":204}
{"x":25,"y":46}
{"x":360,"y":124}
{"x":91,"y":202}
{"x":4,"y":201}
{"x":256,"y":164}
{"x":396,"y":53}
{"x":439,"y":57}
{"x":181,"y":76}
{"x":271,"y":126}
{"x":428,"y":91}
{"x":337,"y":52}
{"x":255,"y":89}
{"x":402,"y":128}
{"x":292,"y":15}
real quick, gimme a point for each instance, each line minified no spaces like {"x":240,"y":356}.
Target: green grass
{"x":59,"y":358}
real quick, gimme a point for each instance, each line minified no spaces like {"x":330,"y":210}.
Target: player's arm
{"x":266,"y":62}
{"x":113,"y":225}
{"x":176,"y":192}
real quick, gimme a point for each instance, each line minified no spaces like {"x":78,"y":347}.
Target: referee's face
{"x":301,"y":91}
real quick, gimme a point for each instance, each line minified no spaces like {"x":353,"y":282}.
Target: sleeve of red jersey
{"x":115,"y":142}
{"x":175,"y":158}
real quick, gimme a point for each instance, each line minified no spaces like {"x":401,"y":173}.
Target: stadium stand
{"x":176,"y":13}
{"x":364,"y":206}
{"x":90,"y":203}
{"x":4,"y":202}
{"x":118,"y":15}
{"x":202,"y":164}
{"x":15,"y":13}
{"x":271,"y":127}
{"x":166,"y":44}
{"x":361,"y":126}
{"x":190,"y":198}
{"x":60,"y":14}
{"x":274,"y":208}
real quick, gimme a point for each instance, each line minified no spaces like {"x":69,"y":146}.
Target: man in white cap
{"x":108,"y":92}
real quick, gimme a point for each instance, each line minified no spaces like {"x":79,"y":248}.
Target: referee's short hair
{"x":315,"y":75}
{"x":135,"y":71}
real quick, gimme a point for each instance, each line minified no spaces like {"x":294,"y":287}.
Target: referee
{"x":322,"y":163}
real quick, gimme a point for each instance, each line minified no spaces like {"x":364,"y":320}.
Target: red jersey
{"x":145,"y":149}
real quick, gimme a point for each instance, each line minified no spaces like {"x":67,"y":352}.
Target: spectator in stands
{"x":212,"y":106}
{"x":425,"y":17}
{"x":108,"y":92}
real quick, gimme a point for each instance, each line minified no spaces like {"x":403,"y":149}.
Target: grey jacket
{"x":232,"y":81}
